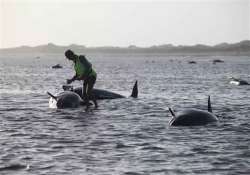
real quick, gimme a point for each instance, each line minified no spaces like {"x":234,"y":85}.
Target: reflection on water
{"x":124,"y":136}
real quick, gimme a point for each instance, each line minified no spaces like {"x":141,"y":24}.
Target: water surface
{"x":124,"y":136}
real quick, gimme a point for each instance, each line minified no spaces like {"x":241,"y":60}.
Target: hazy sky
{"x":123,"y":22}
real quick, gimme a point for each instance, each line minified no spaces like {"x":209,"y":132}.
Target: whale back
{"x":100,"y":94}
{"x":66,"y":99}
{"x":193,"y":117}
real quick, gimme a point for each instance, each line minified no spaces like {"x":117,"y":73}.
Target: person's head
{"x":70,"y":54}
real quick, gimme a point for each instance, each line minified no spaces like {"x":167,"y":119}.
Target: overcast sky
{"x":123,"y":22}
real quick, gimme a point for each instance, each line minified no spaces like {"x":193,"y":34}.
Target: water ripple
{"x":125,"y":136}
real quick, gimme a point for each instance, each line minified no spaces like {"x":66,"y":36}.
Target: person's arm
{"x":72,"y":79}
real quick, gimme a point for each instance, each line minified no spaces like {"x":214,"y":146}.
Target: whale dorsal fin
{"x":172,"y":112}
{"x":134,"y":93}
{"x":52,"y":95}
{"x":209,"y":106}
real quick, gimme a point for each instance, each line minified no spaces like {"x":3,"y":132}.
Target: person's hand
{"x":69,"y":81}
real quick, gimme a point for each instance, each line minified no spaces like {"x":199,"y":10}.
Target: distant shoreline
{"x":236,"y":49}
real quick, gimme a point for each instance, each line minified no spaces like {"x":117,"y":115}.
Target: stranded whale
{"x":66,"y":99}
{"x":193,"y":117}
{"x":101,"y":94}
{"x":71,"y":98}
{"x":237,"y":81}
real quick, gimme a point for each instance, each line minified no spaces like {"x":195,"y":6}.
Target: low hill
{"x":240,"y":48}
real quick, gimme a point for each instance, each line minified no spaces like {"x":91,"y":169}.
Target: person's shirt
{"x":83,"y":67}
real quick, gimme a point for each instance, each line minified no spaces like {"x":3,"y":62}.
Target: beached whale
{"x":217,"y":61}
{"x":71,"y":98}
{"x":238,"y":82}
{"x":193,"y":117}
{"x":101,"y":94}
{"x":66,"y":99}
{"x":57,"y":66}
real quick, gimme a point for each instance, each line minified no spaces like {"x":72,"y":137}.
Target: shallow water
{"x":124,"y":136}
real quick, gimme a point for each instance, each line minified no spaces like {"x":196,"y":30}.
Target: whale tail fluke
{"x":134,"y":93}
{"x":209,"y":106}
{"x":172,"y":112}
{"x":51,"y":95}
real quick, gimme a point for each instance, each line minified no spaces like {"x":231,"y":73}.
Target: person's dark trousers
{"x":88,"y":85}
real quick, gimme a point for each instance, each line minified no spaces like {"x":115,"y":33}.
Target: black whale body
{"x":101,"y":94}
{"x":66,"y":99}
{"x":193,"y":117}
{"x":57,"y":66}
{"x":71,"y":98}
